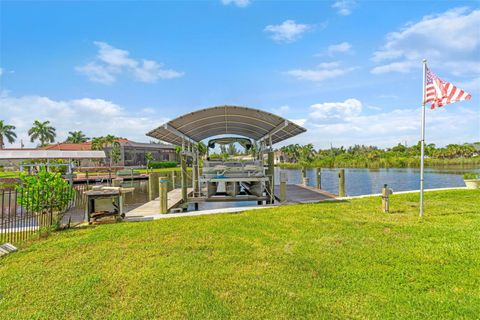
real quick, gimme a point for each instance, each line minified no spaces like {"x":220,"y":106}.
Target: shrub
{"x":162,"y":164}
{"x":45,"y":193}
{"x":471,"y":175}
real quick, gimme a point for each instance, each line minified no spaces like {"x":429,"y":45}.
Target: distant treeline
{"x":399,"y":156}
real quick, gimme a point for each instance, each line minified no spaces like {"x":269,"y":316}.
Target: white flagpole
{"x":422,"y":156}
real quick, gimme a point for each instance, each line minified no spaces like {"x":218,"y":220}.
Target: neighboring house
{"x":280,"y":157}
{"x":131,"y":153}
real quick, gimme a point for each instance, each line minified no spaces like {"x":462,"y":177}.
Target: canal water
{"x":371,"y":181}
{"x":357,"y":182}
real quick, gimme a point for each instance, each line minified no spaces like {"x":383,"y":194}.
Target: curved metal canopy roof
{"x":251,"y":123}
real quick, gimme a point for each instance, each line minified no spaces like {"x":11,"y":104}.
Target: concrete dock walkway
{"x":297,"y":193}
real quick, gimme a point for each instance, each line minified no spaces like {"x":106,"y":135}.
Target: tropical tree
{"x":43,"y":132}
{"x":76,"y":137}
{"x":149,"y":158}
{"x":232,"y":150}
{"x":254,"y":149}
{"x":108,"y":141}
{"x":292,"y":152}
{"x":115,"y":153}
{"x":202,"y":149}
{"x":97,"y":143}
{"x":306,"y":153}
{"x":6,"y":132}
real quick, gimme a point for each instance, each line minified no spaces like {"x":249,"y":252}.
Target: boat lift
{"x":228,"y":180}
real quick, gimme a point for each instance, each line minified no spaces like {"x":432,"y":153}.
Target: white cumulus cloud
{"x":352,"y":122}
{"x":323,"y":71}
{"x":344,"y":7}
{"x":238,"y":3}
{"x":95,"y":117}
{"x":342,"y":47}
{"x":327,"y":110}
{"x":287,"y":32}
{"x":111,"y":62}
{"x":449,"y":41}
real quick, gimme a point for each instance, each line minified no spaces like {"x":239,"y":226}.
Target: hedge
{"x":162,"y":164}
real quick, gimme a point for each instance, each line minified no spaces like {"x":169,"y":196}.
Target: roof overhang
{"x":231,"y":120}
{"x":49,"y":154}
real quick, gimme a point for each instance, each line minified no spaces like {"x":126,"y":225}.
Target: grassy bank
{"x":329,"y":260}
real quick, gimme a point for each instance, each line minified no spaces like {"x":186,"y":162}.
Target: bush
{"x":162,"y":164}
{"x":471,"y":176}
{"x":44,"y":192}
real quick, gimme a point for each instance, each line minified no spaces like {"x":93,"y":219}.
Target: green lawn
{"x":330,"y":260}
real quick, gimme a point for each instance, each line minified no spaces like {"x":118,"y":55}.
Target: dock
{"x":298,"y":193}
{"x":105,"y":177}
{"x":153,"y":207}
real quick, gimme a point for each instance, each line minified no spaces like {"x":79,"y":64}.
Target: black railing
{"x":25,"y":211}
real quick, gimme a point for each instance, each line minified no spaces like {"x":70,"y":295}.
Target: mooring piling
{"x":341,"y":183}
{"x":163,"y":194}
{"x":318,"y":175}
{"x":283,"y":186}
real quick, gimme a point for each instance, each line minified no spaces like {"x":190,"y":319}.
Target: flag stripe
{"x":440,"y":93}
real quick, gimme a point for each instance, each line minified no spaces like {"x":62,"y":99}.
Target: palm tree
{"x":100,"y":143}
{"x":202,"y":149}
{"x":231,"y":149}
{"x":306,"y":153}
{"x":76,"y":137}
{"x":6,"y":131}
{"x":292,"y":151}
{"x":42,"y":131}
{"x":97,"y":143}
{"x":149,"y":158}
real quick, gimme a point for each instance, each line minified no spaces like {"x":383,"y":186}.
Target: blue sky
{"x":349,"y":71}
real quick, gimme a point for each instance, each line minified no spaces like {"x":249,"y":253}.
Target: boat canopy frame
{"x":261,"y":126}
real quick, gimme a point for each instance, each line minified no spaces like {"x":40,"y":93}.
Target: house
{"x":131,"y":153}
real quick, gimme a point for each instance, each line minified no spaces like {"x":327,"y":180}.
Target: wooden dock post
{"x":341,"y":183}
{"x":169,"y":178}
{"x":174,"y":177}
{"x":283,"y":186}
{"x":195,"y":175}
{"x":184,"y":177}
{"x":318,"y":175}
{"x":270,"y":173}
{"x":117,"y":182}
{"x":163,"y":197}
{"x":153,"y":185}
{"x":305,"y":180}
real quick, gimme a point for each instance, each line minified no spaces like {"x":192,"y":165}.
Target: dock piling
{"x":341,"y":183}
{"x":184,"y":177}
{"x":318,"y":175}
{"x":163,"y":191}
{"x":270,"y":173}
{"x":305,"y":179}
{"x":153,"y":185}
{"x":283,"y":186}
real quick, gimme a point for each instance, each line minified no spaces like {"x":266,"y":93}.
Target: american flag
{"x":440,"y":92}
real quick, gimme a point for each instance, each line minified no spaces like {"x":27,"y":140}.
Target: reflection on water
{"x":368,"y":181}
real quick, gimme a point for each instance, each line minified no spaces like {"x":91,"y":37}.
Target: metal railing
{"x":24,"y":211}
